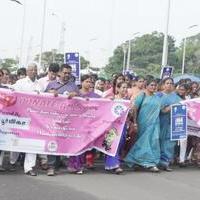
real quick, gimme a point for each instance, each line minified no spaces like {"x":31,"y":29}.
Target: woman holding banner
{"x":168,"y":97}
{"x":146,"y":151}
{"x":109,"y":94}
{"x":76,"y":163}
{"x":112,"y":163}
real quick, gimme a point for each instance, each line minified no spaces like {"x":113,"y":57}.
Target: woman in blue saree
{"x":146,"y":151}
{"x":168,"y":97}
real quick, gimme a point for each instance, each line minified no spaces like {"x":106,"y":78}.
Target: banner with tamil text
{"x":44,"y":124}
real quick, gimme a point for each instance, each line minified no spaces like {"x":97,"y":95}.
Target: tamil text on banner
{"x":42,"y":123}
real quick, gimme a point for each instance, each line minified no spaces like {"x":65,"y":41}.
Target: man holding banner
{"x":63,"y":85}
{"x":28,"y":84}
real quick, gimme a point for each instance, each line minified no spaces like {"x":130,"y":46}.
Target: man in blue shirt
{"x":63,"y":85}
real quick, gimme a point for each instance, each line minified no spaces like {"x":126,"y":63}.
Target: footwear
{"x":2,"y":169}
{"x":90,"y":167}
{"x":44,"y":166}
{"x":167,"y":169}
{"x":118,"y":170}
{"x":50,"y":172}
{"x":12,"y":167}
{"x":31,"y":173}
{"x":80,"y":172}
{"x":153,"y":169}
{"x":182,"y":165}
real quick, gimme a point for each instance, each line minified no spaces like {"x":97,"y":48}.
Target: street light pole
{"x":23,"y":28}
{"x":22,"y":35}
{"x":184,"y":48}
{"x":124,"y":60}
{"x":42,"y":33}
{"x":129,"y":53}
{"x":89,"y":52}
{"x":183,"y":61}
{"x":61,"y":45}
{"x":165,"y":43}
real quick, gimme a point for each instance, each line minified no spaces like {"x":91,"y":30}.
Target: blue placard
{"x":166,"y":72}
{"x":178,"y":122}
{"x":73,"y":59}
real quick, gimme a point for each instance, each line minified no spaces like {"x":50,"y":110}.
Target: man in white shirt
{"x":51,"y":76}
{"x":27,"y":84}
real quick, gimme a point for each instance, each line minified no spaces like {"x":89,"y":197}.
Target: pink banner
{"x":193,"y":107}
{"x":44,"y":124}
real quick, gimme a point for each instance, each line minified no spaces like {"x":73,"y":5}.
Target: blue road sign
{"x":166,"y":72}
{"x":73,"y":59}
{"x":178,"y":122}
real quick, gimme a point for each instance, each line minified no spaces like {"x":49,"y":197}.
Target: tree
{"x":115,"y":64}
{"x":192,"y":58}
{"x":84,"y":63}
{"x":146,"y":53}
{"x":54,"y":57}
{"x":10,"y":63}
{"x":50,"y":57}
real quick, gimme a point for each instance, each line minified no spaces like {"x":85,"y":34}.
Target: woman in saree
{"x":76,"y":163}
{"x":109,"y":94}
{"x":137,"y":88}
{"x":112,"y":163}
{"x":146,"y":151}
{"x":168,"y":98}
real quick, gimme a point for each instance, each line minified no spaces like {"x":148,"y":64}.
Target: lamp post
{"x":129,"y":52}
{"x":89,"y":52}
{"x":23,"y":28}
{"x":124,"y":59}
{"x":42,"y":32}
{"x":184,"y":48}
{"x":165,"y":43}
{"x":61,"y":45}
{"x":22,"y":35}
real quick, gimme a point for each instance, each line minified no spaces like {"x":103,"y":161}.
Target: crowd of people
{"x":145,"y":141}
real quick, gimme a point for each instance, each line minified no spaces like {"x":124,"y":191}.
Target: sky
{"x":93,"y":27}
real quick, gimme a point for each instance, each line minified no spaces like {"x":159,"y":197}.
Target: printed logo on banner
{"x":52,"y":146}
{"x":118,"y":109}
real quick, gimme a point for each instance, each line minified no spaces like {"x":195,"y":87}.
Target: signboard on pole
{"x":73,"y":59}
{"x":166,"y":72}
{"x":178,"y":122}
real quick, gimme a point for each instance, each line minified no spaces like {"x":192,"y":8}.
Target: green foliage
{"x":115,"y":62}
{"x":50,"y":57}
{"x":9,"y":63}
{"x":84,"y":63}
{"x":192,"y":58}
{"x":54,"y":57}
{"x":146,"y":54}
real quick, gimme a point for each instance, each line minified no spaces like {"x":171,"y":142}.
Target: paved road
{"x":181,"y":184}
